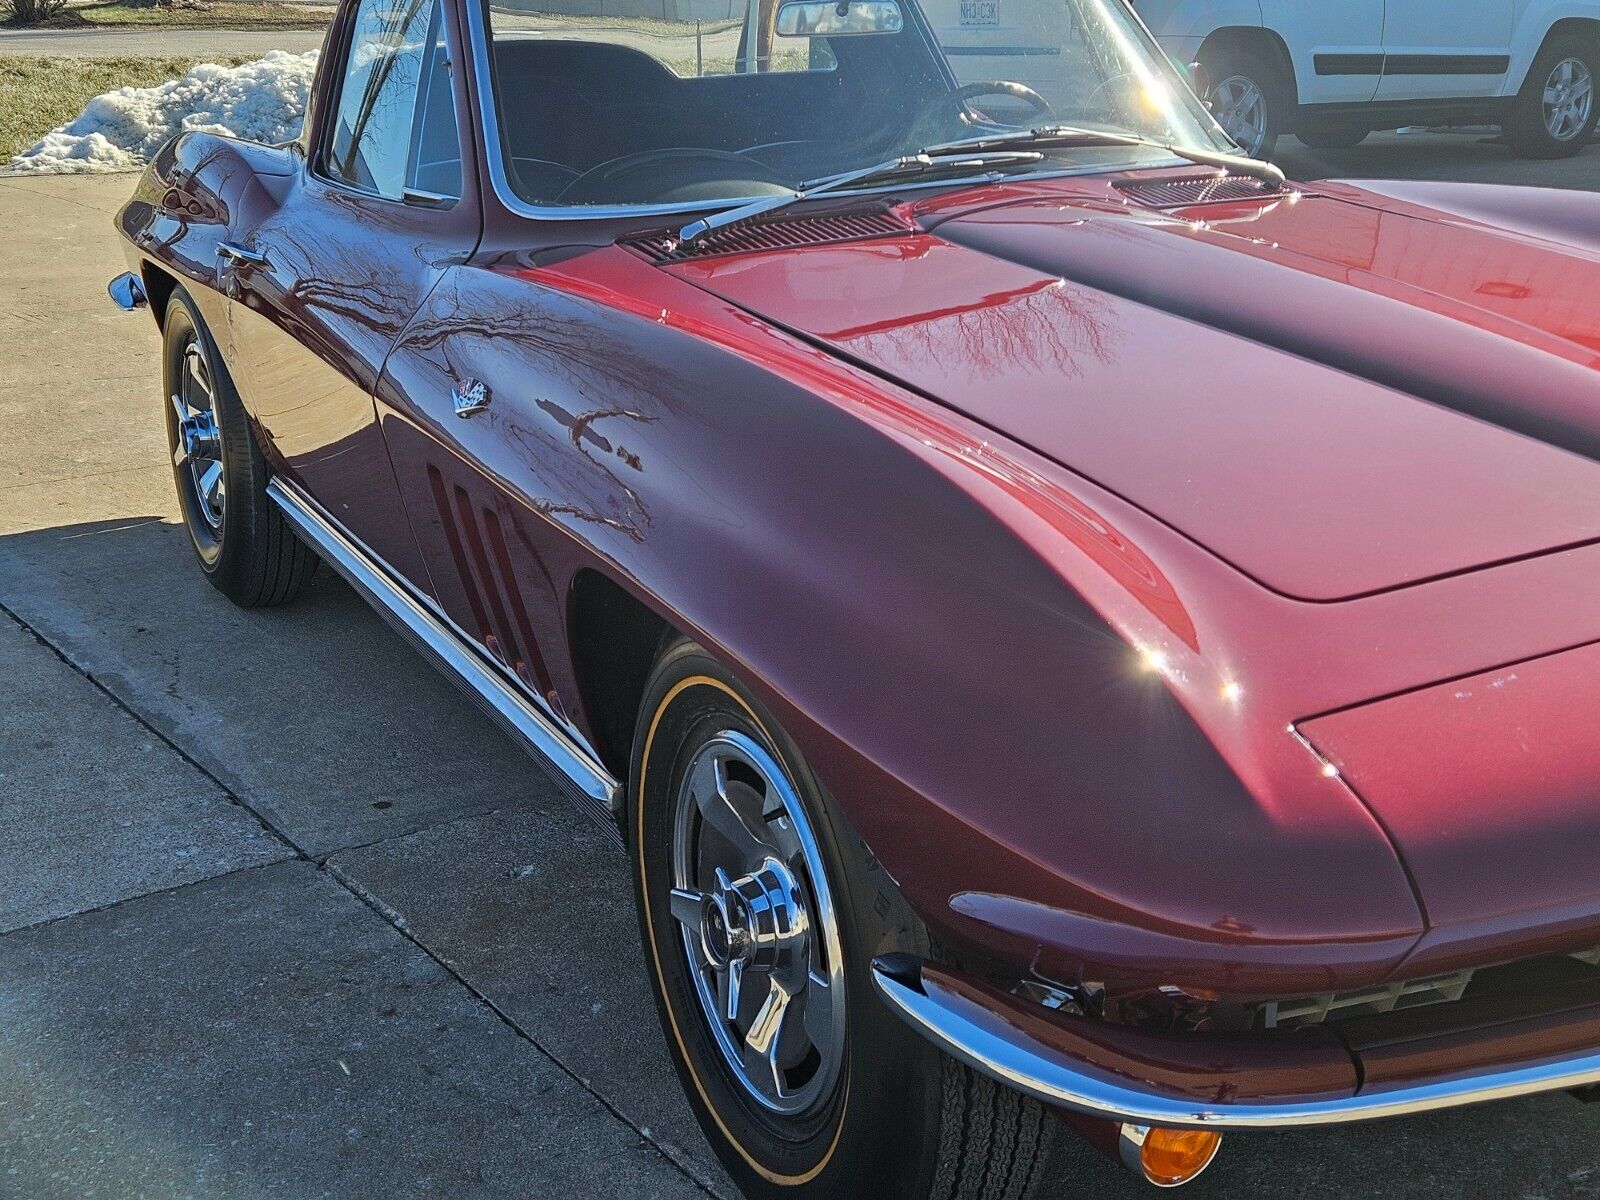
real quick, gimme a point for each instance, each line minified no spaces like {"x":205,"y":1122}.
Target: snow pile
{"x":263,"y":101}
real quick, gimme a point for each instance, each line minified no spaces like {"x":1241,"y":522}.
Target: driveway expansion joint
{"x":159,"y":735}
{"x":395,"y":920}
{"x":175,"y":889}
{"x":398,"y":923}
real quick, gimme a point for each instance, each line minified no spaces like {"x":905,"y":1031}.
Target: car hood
{"x":1338,"y":392}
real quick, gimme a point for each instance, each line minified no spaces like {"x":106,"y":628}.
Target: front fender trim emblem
{"x":469,"y":397}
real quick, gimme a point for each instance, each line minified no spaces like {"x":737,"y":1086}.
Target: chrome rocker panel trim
{"x":1015,"y":1059}
{"x":522,"y":714}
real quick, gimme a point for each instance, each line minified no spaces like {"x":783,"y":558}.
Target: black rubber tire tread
{"x":263,"y":563}
{"x":1524,"y":129}
{"x":993,"y":1140}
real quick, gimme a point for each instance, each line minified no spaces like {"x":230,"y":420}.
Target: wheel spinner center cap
{"x":724,"y":928}
{"x":756,"y":920}
{"x":199,"y":435}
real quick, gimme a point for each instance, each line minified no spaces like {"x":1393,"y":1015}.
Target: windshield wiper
{"x":1052,"y":137}
{"x":982,"y":165}
{"x":996,"y":152}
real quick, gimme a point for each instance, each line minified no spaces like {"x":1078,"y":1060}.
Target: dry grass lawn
{"x":37,"y":94}
{"x":204,"y":14}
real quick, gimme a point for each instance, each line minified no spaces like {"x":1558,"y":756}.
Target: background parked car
{"x":1331,"y":73}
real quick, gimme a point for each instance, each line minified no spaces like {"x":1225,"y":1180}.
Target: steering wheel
{"x":671,"y":174}
{"x":998,"y":87}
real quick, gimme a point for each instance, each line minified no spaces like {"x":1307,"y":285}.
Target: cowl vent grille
{"x":1181,"y":193}
{"x":780,"y":233}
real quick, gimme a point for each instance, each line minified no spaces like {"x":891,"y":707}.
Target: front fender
{"x":197,"y":187}
{"x":946,"y":629}
{"x":1550,"y":214}
{"x":1197,"y":20}
{"x":1535,"y":19}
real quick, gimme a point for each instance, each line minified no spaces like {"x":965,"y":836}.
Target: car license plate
{"x":980,"y":12}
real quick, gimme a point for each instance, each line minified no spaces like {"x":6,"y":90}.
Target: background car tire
{"x":1245,"y":83}
{"x":1332,"y":134}
{"x":1529,"y":129}
{"x":902,"y":1120}
{"x":245,"y":547}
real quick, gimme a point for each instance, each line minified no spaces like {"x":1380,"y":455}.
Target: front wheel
{"x":1555,"y":113}
{"x":1250,"y":99}
{"x":761,"y":914}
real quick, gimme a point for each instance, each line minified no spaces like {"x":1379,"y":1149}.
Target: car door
{"x":324,"y":276}
{"x":1444,"y":49}
{"x":1337,"y":48}
{"x":464,"y":415}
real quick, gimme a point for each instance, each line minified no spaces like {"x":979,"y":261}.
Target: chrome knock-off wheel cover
{"x":1568,"y":99}
{"x":1241,"y":109}
{"x":758,"y":925}
{"x":197,"y":451}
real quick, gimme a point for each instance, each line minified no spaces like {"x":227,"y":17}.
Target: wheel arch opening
{"x":614,"y":640}
{"x":1248,"y":40}
{"x":158,"y":287}
{"x":1587,"y":28}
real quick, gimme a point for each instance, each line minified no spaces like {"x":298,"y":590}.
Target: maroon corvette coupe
{"x":1065,"y":622}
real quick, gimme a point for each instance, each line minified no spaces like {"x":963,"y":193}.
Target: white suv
{"x":1332,"y":71}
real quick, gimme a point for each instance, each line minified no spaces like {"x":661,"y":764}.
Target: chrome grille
{"x":1363,"y":1002}
{"x":1414,"y":993}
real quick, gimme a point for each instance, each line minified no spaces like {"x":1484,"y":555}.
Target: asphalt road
{"x":282,"y":916}
{"x":161,"y":43}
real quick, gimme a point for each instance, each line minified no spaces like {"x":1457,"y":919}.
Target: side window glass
{"x":394,"y":129}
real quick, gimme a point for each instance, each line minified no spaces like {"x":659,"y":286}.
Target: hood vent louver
{"x":1210,"y":189}
{"x":777,"y":233}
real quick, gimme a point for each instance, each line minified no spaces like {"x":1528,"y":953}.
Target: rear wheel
{"x":244,"y":545}
{"x":1250,"y":98}
{"x":1555,"y":113}
{"x":761,"y":915}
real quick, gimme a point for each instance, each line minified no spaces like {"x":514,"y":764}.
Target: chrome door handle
{"x":242,"y":255}
{"x":469,"y":397}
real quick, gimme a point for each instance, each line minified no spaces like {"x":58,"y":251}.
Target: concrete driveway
{"x":282,"y":916}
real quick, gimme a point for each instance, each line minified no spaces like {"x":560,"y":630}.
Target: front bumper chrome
{"x":1123,"y":1076}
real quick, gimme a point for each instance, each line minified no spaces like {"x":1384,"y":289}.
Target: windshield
{"x":678,"y":103}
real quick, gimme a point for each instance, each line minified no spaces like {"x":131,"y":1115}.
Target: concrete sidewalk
{"x":282,"y":916}
{"x":162,"y":43}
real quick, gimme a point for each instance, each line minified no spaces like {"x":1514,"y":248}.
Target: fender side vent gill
{"x":777,"y":233}
{"x":1211,"y":189}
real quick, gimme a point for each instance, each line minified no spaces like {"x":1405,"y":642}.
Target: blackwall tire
{"x":245,"y":547}
{"x":1554,"y":115}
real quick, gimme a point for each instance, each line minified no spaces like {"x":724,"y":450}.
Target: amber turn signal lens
{"x":1170,"y":1157}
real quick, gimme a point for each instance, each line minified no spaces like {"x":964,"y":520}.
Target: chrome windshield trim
{"x":478,"y":33}
{"x":523,"y":713}
{"x":1015,"y":1059}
